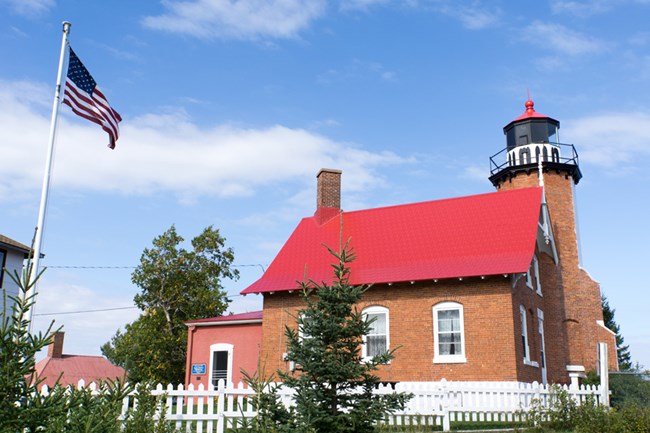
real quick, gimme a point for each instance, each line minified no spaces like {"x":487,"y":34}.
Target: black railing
{"x":500,"y":160}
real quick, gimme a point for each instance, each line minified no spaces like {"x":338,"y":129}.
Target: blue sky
{"x":231,"y":107}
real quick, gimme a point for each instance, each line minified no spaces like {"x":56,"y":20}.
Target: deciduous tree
{"x":176,"y":285}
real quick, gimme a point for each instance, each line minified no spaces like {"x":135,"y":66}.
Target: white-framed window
{"x":221,"y":363}
{"x":302,"y":335}
{"x":377,"y":341}
{"x":524,"y":335}
{"x":538,"y":284}
{"x":448,"y":333}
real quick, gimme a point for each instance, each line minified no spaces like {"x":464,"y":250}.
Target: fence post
{"x":445,"y":405}
{"x":221,"y":405}
{"x":604,"y":375}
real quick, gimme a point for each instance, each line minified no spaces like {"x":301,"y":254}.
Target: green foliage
{"x":176,"y":285}
{"x":333,"y":385}
{"x":564,"y":414}
{"x":622,"y":350}
{"x":62,"y":409}
{"x":272,"y":416}
{"x":18,"y":349}
{"x":629,"y":389}
{"x":142,"y":418}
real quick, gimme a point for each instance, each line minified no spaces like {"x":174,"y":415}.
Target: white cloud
{"x":611,"y":139}
{"x":29,"y":7}
{"x":357,"y":70}
{"x":237,"y":19}
{"x":165,"y":153}
{"x":361,"y":4}
{"x":472,"y":15}
{"x":84,"y":332}
{"x":561,"y":39}
{"x":581,"y":8}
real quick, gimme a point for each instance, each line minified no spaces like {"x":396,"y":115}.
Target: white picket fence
{"x":213,"y":410}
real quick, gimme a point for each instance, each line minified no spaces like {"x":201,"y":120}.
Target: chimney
{"x":55,"y":349}
{"x":328,"y":194}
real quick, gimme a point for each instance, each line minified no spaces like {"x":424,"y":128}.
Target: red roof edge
{"x":249,"y":317}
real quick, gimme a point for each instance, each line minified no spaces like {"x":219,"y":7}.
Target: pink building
{"x":220,"y":347}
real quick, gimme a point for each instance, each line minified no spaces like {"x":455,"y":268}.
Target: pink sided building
{"x":220,"y":347}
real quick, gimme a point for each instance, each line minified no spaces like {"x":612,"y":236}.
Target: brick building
{"x":478,"y":288}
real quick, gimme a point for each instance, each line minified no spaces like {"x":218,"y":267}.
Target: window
{"x":377,"y":341}
{"x":538,"y":284}
{"x":221,"y":363}
{"x":448,"y":333}
{"x":524,"y":334}
{"x":532,"y":278}
{"x":306,"y":322}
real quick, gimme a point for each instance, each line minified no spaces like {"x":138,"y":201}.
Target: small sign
{"x":198,"y":368}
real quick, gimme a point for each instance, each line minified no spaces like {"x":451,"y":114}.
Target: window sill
{"x":531,"y":363}
{"x":449,"y":360}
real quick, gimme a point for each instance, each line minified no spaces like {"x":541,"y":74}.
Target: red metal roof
{"x":530,"y":113}
{"x":76,"y":367}
{"x":485,"y":234}
{"x":247,"y":317}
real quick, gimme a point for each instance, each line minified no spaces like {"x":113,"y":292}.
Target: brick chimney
{"x":328,"y":194}
{"x":55,"y":350}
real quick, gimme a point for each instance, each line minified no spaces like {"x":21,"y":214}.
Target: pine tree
{"x":333,"y":384}
{"x":622,"y":351}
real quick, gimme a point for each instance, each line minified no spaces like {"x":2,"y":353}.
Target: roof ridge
{"x":439,"y":200}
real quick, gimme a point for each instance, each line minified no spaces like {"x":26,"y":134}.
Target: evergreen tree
{"x":333,"y":384}
{"x":622,"y":351}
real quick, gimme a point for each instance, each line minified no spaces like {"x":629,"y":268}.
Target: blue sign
{"x":198,"y":368}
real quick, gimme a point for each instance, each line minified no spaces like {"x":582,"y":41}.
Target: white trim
{"x":602,"y":324}
{"x":448,"y":359}
{"x":538,"y":283}
{"x":375,"y":309}
{"x":523,"y":318}
{"x":542,"y":355}
{"x":221,"y":347}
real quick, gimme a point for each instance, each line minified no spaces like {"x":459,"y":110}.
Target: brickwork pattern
{"x":328,"y":189}
{"x":575,"y":299}
{"x":492,"y":330}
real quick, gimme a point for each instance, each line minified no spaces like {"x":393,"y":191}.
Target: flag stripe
{"x":85,"y":99}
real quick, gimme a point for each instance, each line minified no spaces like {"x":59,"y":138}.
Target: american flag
{"x":86,"y":100}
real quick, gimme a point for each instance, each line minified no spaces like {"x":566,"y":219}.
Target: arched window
{"x":448,"y":333}
{"x":377,"y":341}
{"x":221,"y":363}
{"x":524,"y":156}
{"x":555,"y":155}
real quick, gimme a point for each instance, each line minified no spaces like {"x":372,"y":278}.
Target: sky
{"x":231,"y":107}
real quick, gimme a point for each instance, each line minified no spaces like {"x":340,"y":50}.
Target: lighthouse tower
{"x":533,"y":157}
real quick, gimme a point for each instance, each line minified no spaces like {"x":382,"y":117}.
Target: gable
{"x":477,"y":235}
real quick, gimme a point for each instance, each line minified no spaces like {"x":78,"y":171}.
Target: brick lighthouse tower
{"x":534,"y":157}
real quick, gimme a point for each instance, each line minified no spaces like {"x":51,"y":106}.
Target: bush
{"x":62,"y":409}
{"x":629,"y":388}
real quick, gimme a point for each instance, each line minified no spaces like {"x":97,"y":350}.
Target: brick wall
{"x":574,"y":298}
{"x":492,"y":329}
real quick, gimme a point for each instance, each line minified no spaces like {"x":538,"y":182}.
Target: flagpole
{"x":38,"y":238}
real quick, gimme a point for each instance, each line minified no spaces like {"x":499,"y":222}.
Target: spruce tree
{"x":622,"y":350}
{"x":333,"y":384}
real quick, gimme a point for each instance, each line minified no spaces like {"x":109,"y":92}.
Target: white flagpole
{"x":38,"y":238}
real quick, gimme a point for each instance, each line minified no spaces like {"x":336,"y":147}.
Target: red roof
{"x":76,"y":367}
{"x":530,"y":113}
{"x":253,"y":316}
{"x":485,"y":234}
